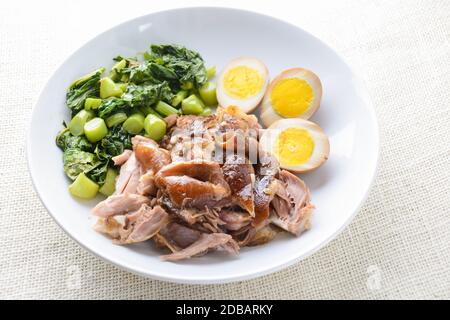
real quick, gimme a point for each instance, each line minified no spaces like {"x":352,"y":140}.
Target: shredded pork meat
{"x":207,"y":241}
{"x":206,"y":186}
{"x":119,"y":204}
{"x":292,"y":208}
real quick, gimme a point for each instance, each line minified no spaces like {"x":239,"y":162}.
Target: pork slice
{"x":151,"y":157}
{"x":204,"y":220}
{"x":127,"y":170}
{"x":201,"y":170}
{"x":281,"y":203}
{"x":181,"y":235}
{"x":265,"y":186}
{"x":110,"y":226}
{"x":186,"y":145}
{"x":122,"y":158}
{"x":208,"y":221}
{"x":264,"y":192}
{"x":191,"y":193}
{"x":292,"y":208}
{"x":162,"y":242}
{"x":238,"y":174}
{"x":195,"y":183}
{"x":146,"y":185}
{"x":176,"y":236}
{"x":171,"y":120}
{"x":196,"y":125}
{"x":143,"y":224}
{"x":205,"y":243}
{"x":119,"y":204}
{"x":232,"y":118}
{"x":189,"y":215}
{"x":136,"y":140}
{"x":133,"y":182}
{"x":234,"y":219}
{"x":262,"y":235}
{"x":148,"y":153}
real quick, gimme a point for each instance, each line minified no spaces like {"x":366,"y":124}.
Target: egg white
{"x":247,"y":105}
{"x":268,"y":113}
{"x":321,"y":149}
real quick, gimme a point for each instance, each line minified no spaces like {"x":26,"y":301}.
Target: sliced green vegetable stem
{"x":165,"y":109}
{"x":92,"y":103}
{"x":192,"y":105}
{"x":179,"y":97}
{"x":134,"y":124}
{"x":95,"y":129}
{"x":155,"y":128}
{"x":208,"y":93}
{"x":116,"y":119}
{"x":83,"y":187}
{"x":108,"y":88}
{"x":109,"y":186}
{"x":76,"y":125}
{"x":211,"y":72}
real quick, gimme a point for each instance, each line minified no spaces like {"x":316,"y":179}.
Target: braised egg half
{"x":299,"y":145}
{"x":295,"y":93}
{"x":242,"y":83}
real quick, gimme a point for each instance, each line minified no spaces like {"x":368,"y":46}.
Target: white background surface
{"x":399,"y":244}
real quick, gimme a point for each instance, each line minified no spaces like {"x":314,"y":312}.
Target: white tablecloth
{"x":397,"y":247}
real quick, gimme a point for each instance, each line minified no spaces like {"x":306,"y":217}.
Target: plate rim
{"x":243,"y":276}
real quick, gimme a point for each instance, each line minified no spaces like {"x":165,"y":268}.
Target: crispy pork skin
{"x":196,"y":183}
{"x":239,"y":175}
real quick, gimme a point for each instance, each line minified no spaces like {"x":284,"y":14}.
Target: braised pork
{"x":143,"y":224}
{"x":122,"y":158}
{"x":240,"y":176}
{"x":205,"y":243}
{"x":206,"y":186}
{"x":129,"y":174}
{"x":119,"y":204}
{"x":292,"y":206}
{"x":193,"y":184}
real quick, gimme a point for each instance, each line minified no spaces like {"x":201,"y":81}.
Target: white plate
{"x":338,"y":188}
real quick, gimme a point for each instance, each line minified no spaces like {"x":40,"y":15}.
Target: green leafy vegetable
{"x":98,"y":172}
{"x":163,"y":73}
{"x":78,"y":157}
{"x":187,"y":64}
{"x":83,"y":88}
{"x":147,"y":95}
{"x":139,"y":73}
{"x":177,"y":65}
{"x":66,"y":140}
{"x":111,"y":106}
{"x":115,"y":142}
{"x":77,"y":161}
{"x":135,"y":89}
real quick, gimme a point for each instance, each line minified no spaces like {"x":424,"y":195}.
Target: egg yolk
{"x":242,"y":82}
{"x":291,"y":97}
{"x":294,"y":146}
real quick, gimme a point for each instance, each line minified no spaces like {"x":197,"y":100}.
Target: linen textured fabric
{"x":398,"y":246}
